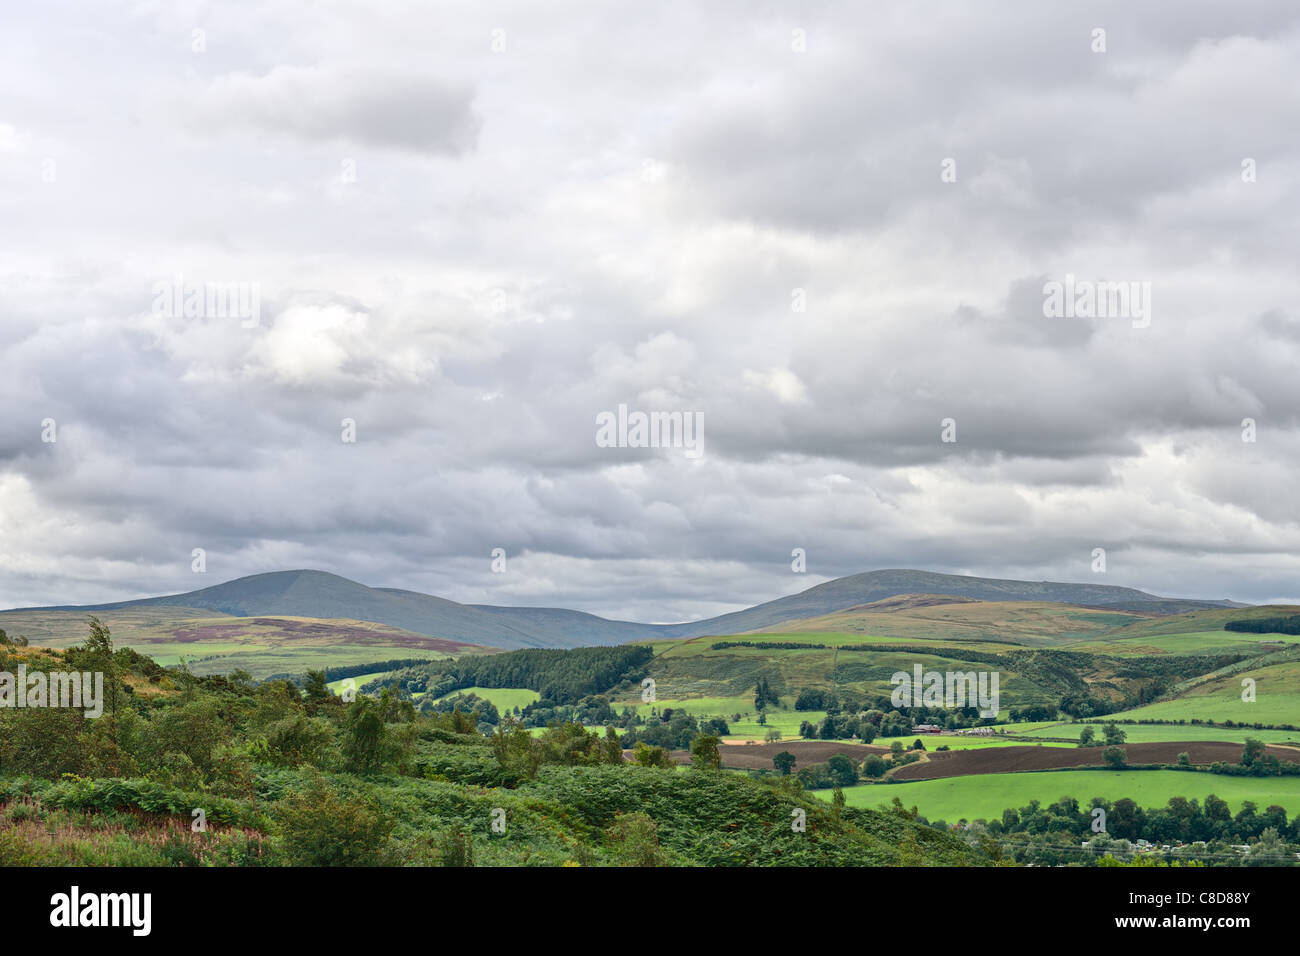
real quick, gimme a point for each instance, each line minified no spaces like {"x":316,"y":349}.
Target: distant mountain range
{"x":320,"y":594}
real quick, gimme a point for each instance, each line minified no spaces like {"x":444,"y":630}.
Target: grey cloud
{"x":521,"y":172}
{"x":377,"y":107}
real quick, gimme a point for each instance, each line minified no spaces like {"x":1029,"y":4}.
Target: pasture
{"x":985,"y":797}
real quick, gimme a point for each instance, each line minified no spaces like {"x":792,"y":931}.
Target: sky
{"x":456,"y":234}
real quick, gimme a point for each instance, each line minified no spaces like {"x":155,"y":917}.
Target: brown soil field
{"x":806,"y":753}
{"x":962,"y":763}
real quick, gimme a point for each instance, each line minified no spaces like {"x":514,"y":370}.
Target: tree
{"x":316,"y":687}
{"x":873,"y":766}
{"x":1114,"y":756}
{"x":773,"y":735}
{"x":613,"y":749}
{"x":96,"y":656}
{"x":1125,"y":819}
{"x":1087,"y":736}
{"x":1253,"y":751}
{"x":369,"y":746}
{"x":841,"y":770}
{"x":896,"y":748}
{"x":1217,"y":809}
{"x":784,"y":762}
{"x":1268,"y":850}
{"x":644,"y":756}
{"x":705,"y":754}
{"x":516,"y":749}
{"x":1114,"y":736}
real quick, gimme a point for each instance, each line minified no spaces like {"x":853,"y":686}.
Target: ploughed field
{"x":759,"y":756}
{"x":962,"y":763}
{"x":806,"y":753}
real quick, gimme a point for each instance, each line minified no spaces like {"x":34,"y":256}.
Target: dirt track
{"x":963,"y":763}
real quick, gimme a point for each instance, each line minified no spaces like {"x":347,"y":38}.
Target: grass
{"x":336,"y":686}
{"x":986,"y":796}
{"x":786,"y":721}
{"x":1154,"y":733}
{"x":748,"y":727}
{"x":502,"y":698}
{"x":1029,"y":623}
{"x":703,"y":646}
{"x":965,"y":743}
{"x":1277,"y":692}
{"x":264,"y":661}
{"x":1192,"y":642}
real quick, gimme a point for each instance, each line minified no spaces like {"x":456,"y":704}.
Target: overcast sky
{"x":473,"y":227}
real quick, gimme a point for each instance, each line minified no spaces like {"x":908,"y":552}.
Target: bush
{"x":636,"y":837}
{"x":320,"y":827}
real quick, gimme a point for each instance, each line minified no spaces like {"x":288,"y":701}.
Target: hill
{"x":319,"y":594}
{"x":872,"y":586}
{"x":944,"y":618}
{"x":293,"y":779}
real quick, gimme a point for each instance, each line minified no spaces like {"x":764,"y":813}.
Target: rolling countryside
{"x":1128,"y":697}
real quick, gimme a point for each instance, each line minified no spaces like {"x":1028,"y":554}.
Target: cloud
{"x":371,"y":107}
{"x":500,"y":269}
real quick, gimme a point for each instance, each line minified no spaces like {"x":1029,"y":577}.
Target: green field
{"x":700,"y":706}
{"x":933,"y":743}
{"x":170,"y":653}
{"x":1277,"y":692}
{"x":336,"y":686}
{"x":262,"y":662}
{"x":1026,"y":623}
{"x":786,"y":721}
{"x":502,"y":698}
{"x":986,"y":796}
{"x":1192,"y":642}
{"x":1153,"y":733}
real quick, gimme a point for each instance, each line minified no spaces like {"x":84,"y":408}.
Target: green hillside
{"x":1277,"y":699}
{"x":295,"y":776}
